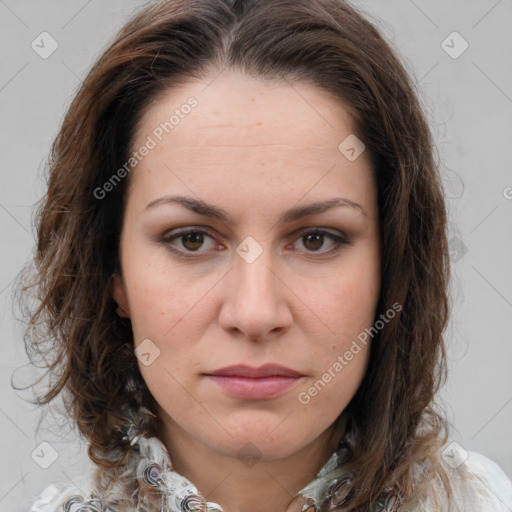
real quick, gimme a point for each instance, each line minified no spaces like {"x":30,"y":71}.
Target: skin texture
{"x":254,"y":148}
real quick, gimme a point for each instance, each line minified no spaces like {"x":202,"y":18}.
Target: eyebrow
{"x":296,"y":213}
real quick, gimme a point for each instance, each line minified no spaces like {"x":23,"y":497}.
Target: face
{"x":260,"y":277}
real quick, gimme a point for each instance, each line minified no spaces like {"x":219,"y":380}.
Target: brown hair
{"x":328,"y":43}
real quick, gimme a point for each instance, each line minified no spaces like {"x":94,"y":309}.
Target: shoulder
{"x":478,"y":481}
{"x":52,"y":497}
{"x":494,"y":488}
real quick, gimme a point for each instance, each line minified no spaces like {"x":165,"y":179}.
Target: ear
{"x":119,"y":295}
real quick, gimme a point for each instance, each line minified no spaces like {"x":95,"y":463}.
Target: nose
{"x":255,"y":304}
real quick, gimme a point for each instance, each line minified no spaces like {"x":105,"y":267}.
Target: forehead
{"x":250,"y":133}
{"x":275,"y":111}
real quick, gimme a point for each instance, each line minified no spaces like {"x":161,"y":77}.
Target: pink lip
{"x":249,"y":388}
{"x":267,"y":370}
{"x":247,"y":383}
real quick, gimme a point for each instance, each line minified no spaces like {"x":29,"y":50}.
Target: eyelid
{"x":315,"y":229}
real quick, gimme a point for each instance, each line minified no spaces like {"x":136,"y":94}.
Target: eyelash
{"x":165,"y":240}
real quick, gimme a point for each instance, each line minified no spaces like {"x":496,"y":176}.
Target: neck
{"x":257,"y":485}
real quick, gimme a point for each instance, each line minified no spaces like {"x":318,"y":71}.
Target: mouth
{"x":267,"y":370}
{"x":250,"y":388}
{"x":248,"y":383}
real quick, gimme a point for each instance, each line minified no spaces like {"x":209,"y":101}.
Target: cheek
{"x":352,"y":307}
{"x":330,"y":390}
{"x":340,"y":347}
{"x":162,"y":294}
{"x":347,"y":302}
{"x":339,"y":361}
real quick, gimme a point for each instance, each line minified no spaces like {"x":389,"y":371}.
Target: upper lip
{"x":267,"y":370}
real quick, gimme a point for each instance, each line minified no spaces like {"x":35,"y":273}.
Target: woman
{"x":242,"y":263}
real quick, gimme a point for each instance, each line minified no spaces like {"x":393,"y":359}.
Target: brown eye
{"x":314,"y":240}
{"x":192,"y":241}
{"x":189,"y":241}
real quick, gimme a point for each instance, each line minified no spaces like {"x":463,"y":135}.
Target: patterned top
{"x":479,"y":484}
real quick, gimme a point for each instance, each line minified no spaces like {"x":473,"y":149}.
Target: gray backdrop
{"x":466,"y":86}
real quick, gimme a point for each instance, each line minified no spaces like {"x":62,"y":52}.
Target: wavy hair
{"x":329,"y":43}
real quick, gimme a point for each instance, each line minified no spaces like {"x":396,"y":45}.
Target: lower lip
{"x":248,"y":388}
